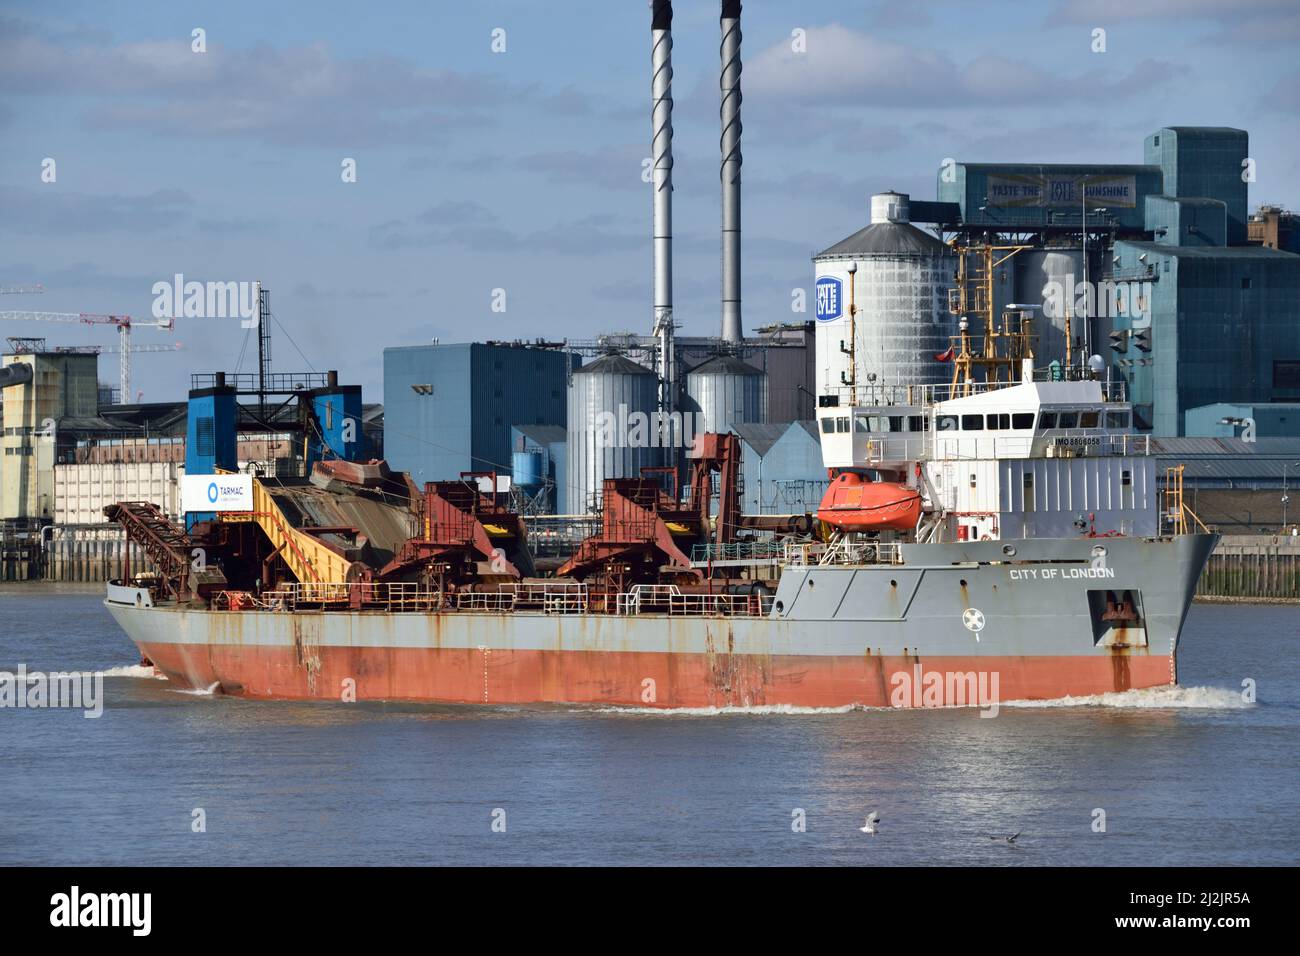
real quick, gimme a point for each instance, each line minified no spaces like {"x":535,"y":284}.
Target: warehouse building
{"x":451,"y":408}
{"x":781,"y":468}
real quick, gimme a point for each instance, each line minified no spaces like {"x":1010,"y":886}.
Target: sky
{"x":499,"y":146}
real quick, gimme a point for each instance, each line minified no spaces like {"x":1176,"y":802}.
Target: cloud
{"x":286,"y":96}
{"x":236,"y":226}
{"x":50,"y":210}
{"x":899,"y":14}
{"x":308,"y":292}
{"x":472,"y":227}
{"x":1286,"y":94}
{"x":1094,"y":11}
{"x":456,"y":213}
{"x":843,"y":66}
{"x":76,"y":275}
{"x":479,"y":163}
{"x":614,"y":167}
{"x":1258,"y":23}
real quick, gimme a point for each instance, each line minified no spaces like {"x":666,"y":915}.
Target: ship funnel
{"x":729,"y":114}
{"x":661,"y":149}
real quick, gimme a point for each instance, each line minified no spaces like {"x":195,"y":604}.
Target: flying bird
{"x":873,"y":820}
{"x":1010,"y":839}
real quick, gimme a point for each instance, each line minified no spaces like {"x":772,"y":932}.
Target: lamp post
{"x":1285,"y":497}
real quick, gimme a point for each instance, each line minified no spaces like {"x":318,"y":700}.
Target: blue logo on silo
{"x":830,"y":298}
{"x":212,"y":492}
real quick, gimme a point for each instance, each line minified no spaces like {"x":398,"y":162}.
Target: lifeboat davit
{"x":854,"y":502}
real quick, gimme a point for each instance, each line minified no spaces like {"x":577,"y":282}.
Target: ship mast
{"x":1002,"y":348}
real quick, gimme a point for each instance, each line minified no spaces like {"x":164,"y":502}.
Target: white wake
{"x":131,"y":670}
{"x":1152,"y":698}
{"x":1175,"y":697}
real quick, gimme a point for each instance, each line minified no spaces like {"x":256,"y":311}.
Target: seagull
{"x":1011,"y":839}
{"x":873,"y":819}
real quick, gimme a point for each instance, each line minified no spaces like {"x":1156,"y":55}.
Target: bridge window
{"x":1117,"y":419}
{"x":1068,"y":420}
{"x":947,"y":423}
{"x":842,"y":424}
{"x":860,"y":424}
{"x":828,"y":425}
{"x":1088,"y":419}
{"x":999,"y":421}
{"x":917,"y":423}
{"x":1048,"y":420}
{"x":972,"y":423}
{"x":1022,"y":420}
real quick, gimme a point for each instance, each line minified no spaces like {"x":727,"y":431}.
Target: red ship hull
{"x":638,"y":679}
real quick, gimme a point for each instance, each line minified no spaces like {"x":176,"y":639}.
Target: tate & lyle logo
{"x":829,"y":298}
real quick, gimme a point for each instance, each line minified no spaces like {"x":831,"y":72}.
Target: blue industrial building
{"x":1233,"y":420}
{"x":1223,"y":327}
{"x":451,"y":408}
{"x":1192,"y":312}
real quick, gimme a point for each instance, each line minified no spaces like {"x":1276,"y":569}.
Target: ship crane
{"x":124,"y":324}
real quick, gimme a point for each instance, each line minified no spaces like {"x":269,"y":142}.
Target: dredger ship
{"x":1003,"y":533}
{"x":1014,"y":531}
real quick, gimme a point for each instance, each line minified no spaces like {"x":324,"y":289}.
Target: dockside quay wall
{"x":1253,"y":567}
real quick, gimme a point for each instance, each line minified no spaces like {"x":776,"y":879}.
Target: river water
{"x":1188,"y":775}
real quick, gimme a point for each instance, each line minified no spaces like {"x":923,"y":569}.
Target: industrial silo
{"x":898,"y":276}
{"x":528,"y":468}
{"x":725,"y":391}
{"x":613,"y":419}
{"x":1051,"y":278}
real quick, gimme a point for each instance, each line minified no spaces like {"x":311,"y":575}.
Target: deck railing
{"x":737,"y":551}
{"x":923,"y":395}
{"x":669,"y":599}
{"x":560,"y":598}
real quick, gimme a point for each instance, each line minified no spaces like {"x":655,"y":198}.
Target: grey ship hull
{"x":951,"y":624}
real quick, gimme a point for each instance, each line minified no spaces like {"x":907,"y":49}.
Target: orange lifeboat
{"x":854,"y":502}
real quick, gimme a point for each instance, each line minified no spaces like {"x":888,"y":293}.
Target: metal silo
{"x":613,"y":413}
{"x":725,"y":391}
{"x":898,"y":276}
{"x":1036,"y":270}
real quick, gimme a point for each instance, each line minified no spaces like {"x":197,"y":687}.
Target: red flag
{"x":945,"y":356}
